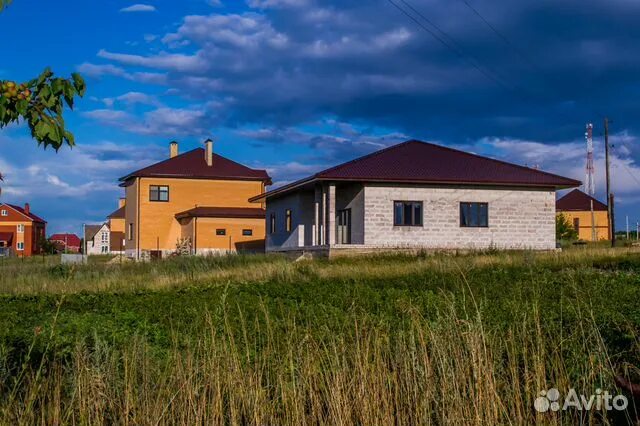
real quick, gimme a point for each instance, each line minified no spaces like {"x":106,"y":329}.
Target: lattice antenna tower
{"x":590,"y":182}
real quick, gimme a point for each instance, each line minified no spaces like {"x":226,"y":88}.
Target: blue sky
{"x":295,"y":86}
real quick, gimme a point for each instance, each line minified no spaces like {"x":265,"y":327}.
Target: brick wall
{"x":518,"y":219}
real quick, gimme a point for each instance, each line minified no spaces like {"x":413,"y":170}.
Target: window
{"x":287,"y":220}
{"x":20,"y":246}
{"x":576,"y":223}
{"x":21,"y":229}
{"x":158,"y":193}
{"x":131,"y":232}
{"x":474,"y":215}
{"x":221,"y":231}
{"x":4,"y":213}
{"x":104,"y":250}
{"x":407,"y":213}
{"x":105,"y":237}
{"x":272,"y":224}
{"x":247,"y":232}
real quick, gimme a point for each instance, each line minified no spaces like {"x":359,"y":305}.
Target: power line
{"x":447,"y":44}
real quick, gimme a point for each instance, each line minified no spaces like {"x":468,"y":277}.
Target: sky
{"x":295,"y":86}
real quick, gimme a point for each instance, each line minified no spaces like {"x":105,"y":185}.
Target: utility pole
{"x":612,"y":232}
{"x":627,"y":227}
{"x":613,"y":221}
{"x":594,"y":236}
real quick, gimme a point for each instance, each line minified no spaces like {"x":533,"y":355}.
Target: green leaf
{"x":79,"y":84}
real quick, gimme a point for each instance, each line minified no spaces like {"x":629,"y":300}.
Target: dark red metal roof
{"x":192,"y":164}
{"x":6,"y":237}
{"x":71,"y":240}
{"x":577,"y":200}
{"x":421,"y":162}
{"x":118,"y":214}
{"x":30,"y":215}
{"x":225,"y":212}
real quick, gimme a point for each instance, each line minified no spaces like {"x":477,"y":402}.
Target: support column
{"x":315,"y":234}
{"x":323,"y":218}
{"x":331,"y":215}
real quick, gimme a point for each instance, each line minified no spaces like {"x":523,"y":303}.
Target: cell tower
{"x":590,"y":183}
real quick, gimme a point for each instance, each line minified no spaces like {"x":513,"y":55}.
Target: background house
{"x":576,"y":206}
{"x":415,"y":195}
{"x":198,"y":201}
{"x":21,"y":231}
{"x":116,"y":223}
{"x":97,"y":239}
{"x":66,"y":243}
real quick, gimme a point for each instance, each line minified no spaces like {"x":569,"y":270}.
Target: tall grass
{"x":451,"y":340}
{"x":450,"y":371}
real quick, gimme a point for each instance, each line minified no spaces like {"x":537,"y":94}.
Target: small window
{"x":105,"y":237}
{"x":104,"y":249}
{"x":4,"y":213}
{"x":287,"y":220}
{"x":20,"y":246}
{"x":158,"y":193}
{"x":474,"y":215}
{"x":131,"y":232}
{"x":407,"y":213}
{"x":247,"y":232}
{"x":21,"y":229}
{"x":576,"y":223}
{"x":221,"y":231}
{"x":272,"y":224}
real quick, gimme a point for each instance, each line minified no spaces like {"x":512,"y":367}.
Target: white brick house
{"x":415,"y":195}
{"x":97,"y":239}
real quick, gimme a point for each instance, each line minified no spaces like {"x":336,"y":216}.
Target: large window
{"x":287,"y":221}
{"x":407,"y":213}
{"x":158,"y":193}
{"x":474,"y":215}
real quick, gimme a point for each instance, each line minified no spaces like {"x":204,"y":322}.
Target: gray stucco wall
{"x":301,"y":206}
{"x":352,"y":197}
{"x":518,"y":218}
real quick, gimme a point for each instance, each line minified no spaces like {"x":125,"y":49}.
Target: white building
{"x":415,"y":195}
{"x":97,"y":239}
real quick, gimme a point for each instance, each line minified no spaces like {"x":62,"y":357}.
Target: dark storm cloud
{"x":289,"y":62}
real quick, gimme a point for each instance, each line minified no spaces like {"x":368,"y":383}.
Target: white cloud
{"x":138,"y":8}
{"x":168,"y":61}
{"x":133,"y":98}
{"x":99,"y":71}
{"x":268,"y":4}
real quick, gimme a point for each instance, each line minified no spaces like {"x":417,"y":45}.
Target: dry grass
{"x":451,"y":372}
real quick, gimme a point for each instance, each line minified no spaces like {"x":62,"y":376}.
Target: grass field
{"x":395,"y":339}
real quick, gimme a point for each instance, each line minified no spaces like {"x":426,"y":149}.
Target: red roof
{"x":192,"y":164}
{"x":226,"y":212}
{"x":30,"y":215}
{"x":71,"y":240}
{"x":577,"y":200}
{"x":421,"y":162}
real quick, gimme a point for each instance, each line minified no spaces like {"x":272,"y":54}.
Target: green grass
{"x":290,"y":334}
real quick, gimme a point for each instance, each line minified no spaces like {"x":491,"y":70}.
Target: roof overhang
{"x":223,"y":212}
{"x":311,"y":180}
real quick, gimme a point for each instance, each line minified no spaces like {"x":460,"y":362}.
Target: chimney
{"x":27,"y":208}
{"x":208,"y":152}
{"x":173,"y":149}
{"x":121,"y":202}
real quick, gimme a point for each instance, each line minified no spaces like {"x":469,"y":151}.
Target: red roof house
{"x":21,"y":231}
{"x":415,"y":195}
{"x":66,"y":243}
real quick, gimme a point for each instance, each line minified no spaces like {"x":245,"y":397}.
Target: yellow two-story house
{"x":196,"y":201}
{"x":589,"y":216}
